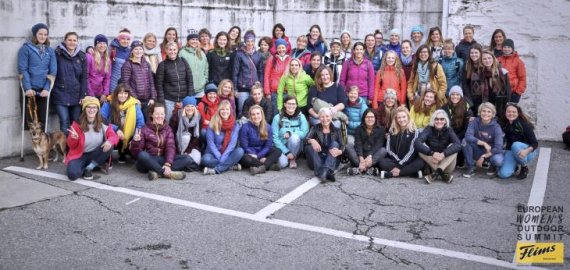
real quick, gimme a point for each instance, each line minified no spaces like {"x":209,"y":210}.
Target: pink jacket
{"x":360,"y":75}
{"x":98,"y":81}
{"x":274,"y":69}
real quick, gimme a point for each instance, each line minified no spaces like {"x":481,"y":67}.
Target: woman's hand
{"x":120,"y":134}
{"x":71,"y":131}
{"x":44,"y":93}
{"x":523,"y":153}
{"x":103,"y":99}
{"x":106,"y":146}
{"x":290,"y":156}
{"x":137,"y":136}
{"x":315,"y":145}
{"x":395,"y":172}
{"x":262,"y":160}
{"x":150,"y":102}
{"x":286,"y":135}
{"x":30,"y":93}
{"x":167,"y":171}
{"x":335,"y":152}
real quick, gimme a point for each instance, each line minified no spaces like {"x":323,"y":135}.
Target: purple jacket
{"x":157,"y":140}
{"x":98,"y":81}
{"x":251,"y":142}
{"x":140,"y":78}
{"x":360,"y":75}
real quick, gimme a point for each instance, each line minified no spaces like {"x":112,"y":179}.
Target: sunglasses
{"x":439,"y":119}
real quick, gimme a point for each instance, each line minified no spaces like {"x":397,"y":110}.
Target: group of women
{"x":390,"y":109}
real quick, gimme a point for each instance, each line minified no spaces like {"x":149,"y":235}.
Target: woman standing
{"x":235,"y":38}
{"x":511,"y":61}
{"x":90,"y":142}
{"x":368,"y":149}
{"x":219,"y":60}
{"x":472,"y":80}
{"x":464,"y":46}
{"x":438,"y":147}
{"x":174,"y":80}
{"x":294,"y":82}
{"x":300,"y":52}
{"x":185,"y":122}
{"x":120,"y":53}
{"x":423,"y":108}
{"x":71,"y":81}
{"x":483,"y":142}
{"x":205,"y":36}
{"x":326,"y":90}
{"x":222,"y":151}
{"x":427,"y":74}
{"x":196,"y":58}
{"x":435,"y":43}
{"x":137,"y":73}
{"x":522,"y":146}
{"x":346,"y":44}
{"x":416,"y":37}
{"x":264,"y":45}
{"x":391,"y":75}
{"x":394,"y":44}
{"x":152,"y":52}
{"x":496,"y":87}
{"x":373,"y":53}
{"x":406,"y":57}
{"x":170,"y":35}
{"x":452,"y":65}
{"x":316,"y":41}
{"x":314,"y":65}
{"x":324,"y":147}
{"x":256,"y":140}
{"x":155,"y":149}
{"x":402,"y":159}
{"x":246,"y":69}
{"x":359,"y":71}
{"x":99,"y":70}
{"x":289,"y":129}
{"x":459,"y":114}
{"x":274,"y":69}
{"x":279,"y":33}
{"x":334,"y":59}
{"x":379,"y":39}
{"x":497,"y":40}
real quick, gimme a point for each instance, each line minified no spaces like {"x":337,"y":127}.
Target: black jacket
{"x":365,"y":144}
{"x":400,"y":147}
{"x":459,"y":130}
{"x":444,"y":141}
{"x":519,"y":131}
{"x":265,"y":105}
{"x":219,"y":67}
{"x":174,"y":80}
{"x":316,"y":133}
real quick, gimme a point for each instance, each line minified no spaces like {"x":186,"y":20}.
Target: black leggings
{"x":270,"y":159}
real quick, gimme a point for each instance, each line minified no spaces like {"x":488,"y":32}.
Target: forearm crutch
{"x":51,"y":79}
{"x":20,"y":77}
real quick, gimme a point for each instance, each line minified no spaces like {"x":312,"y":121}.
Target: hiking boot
{"x":177,"y":175}
{"x":257,"y":170}
{"x":236,"y":167}
{"x":373,"y":171}
{"x":353,"y":171}
{"x":209,"y":171}
{"x":523,"y":173}
{"x":447,"y":177}
{"x":385,"y":175}
{"x":88,"y":175}
{"x":152,"y":175}
{"x":428,"y":178}
{"x":469,"y":172}
{"x":492,"y":171}
{"x":330,"y":176}
{"x":275,"y":167}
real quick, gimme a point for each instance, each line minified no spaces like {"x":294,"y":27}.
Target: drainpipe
{"x":444,"y":16}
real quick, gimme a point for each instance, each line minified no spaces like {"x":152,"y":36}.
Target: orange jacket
{"x":389,"y":79}
{"x":517,"y":71}
{"x":274,"y":69}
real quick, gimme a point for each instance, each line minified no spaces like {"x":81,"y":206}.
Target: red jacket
{"x":75,"y":146}
{"x":517,"y":71}
{"x":207,"y":109}
{"x":389,"y":79}
{"x":273,"y":50}
{"x":274,"y":69}
{"x":157,"y":140}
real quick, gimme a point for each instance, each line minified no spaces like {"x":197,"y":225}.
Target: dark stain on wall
{"x":6,"y":6}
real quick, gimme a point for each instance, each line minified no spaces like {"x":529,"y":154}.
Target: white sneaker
{"x":236,"y":167}
{"x":209,"y":171}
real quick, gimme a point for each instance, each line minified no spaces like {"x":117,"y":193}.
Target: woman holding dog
{"x":90,"y":142}
{"x":37,"y":61}
{"x":123,"y":113}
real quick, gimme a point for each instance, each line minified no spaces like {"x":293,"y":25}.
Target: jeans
{"x":355,"y":161}
{"x":169,"y":108}
{"x":319,"y":161}
{"x":274,"y":104}
{"x":512,"y":159}
{"x":67,"y":114}
{"x":270,"y":159}
{"x":147,"y":162}
{"x":473,"y":152}
{"x":76,"y":167}
{"x":515,"y":98}
{"x":241,"y":98}
{"x":210,"y":161}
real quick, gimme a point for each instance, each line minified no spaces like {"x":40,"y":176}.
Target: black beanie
{"x":509,"y":42}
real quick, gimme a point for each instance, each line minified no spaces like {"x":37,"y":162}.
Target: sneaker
{"x":152,"y":175}
{"x":469,"y":172}
{"x":353,"y":171}
{"x":373,"y":171}
{"x":292,"y":164}
{"x":385,"y":175}
{"x":518,"y":170}
{"x":486,"y":164}
{"x":330,"y":176}
{"x":523,"y":173}
{"x":275,"y":167}
{"x":122,"y":159}
{"x":447,"y":177}
{"x":420,"y":174}
{"x":88,"y":175}
{"x":429,"y":178}
{"x":257,"y":170}
{"x":177,"y":175}
{"x":492,"y":171}
{"x":236,"y":167}
{"x":322,"y":176}
{"x":209,"y":171}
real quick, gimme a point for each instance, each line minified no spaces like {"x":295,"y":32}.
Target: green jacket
{"x":199,"y":68}
{"x":299,"y":87}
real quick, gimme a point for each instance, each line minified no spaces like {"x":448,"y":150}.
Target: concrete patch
{"x":16,"y":191}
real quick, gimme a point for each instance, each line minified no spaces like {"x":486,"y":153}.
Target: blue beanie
{"x":100,"y":38}
{"x":417,"y":28}
{"x":280,"y":42}
{"x":188,"y":101}
{"x":249,"y":35}
{"x":39,"y":26}
{"x":210,"y":88}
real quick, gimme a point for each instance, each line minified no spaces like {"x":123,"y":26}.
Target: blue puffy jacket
{"x":354,"y":114}
{"x":376,"y":58}
{"x":71,"y":80}
{"x":250,"y":140}
{"x":247,"y":70}
{"x":119,"y":56}
{"x":214,"y":143}
{"x":34,"y":67}
{"x":106,"y":114}
{"x":453,"y":69}
{"x":296,"y":124}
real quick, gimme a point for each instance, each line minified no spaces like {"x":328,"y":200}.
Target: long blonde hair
{"x":395,"y":127}
{"x":397,"y":64}
{"x":287,"y":72}
{"x":263,"y":134}
{"x":221,"y":87}
{"x":102,"y":61}
{"x":216,"y":122}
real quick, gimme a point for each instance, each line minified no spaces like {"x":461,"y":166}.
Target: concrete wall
{"x":541,"y":38}
{"x":90,"y":18}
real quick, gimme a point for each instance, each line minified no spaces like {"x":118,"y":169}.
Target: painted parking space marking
{"x":288,"y":198}
{"x":135,"y":200}
{"x":282,"y":223}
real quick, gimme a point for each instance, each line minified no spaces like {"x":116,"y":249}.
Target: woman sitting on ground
{"x":185,"y":122}
{"x":423,"y":108}
{"x":289,"y":129}
{"x":438,"y":147}
{"x":222,"y":151}
{"x":324,"y":146}
{"x":155,"y":149}
{"x":90,"y":142}
{"x":255,"y":139}
{"x":368,"y":148}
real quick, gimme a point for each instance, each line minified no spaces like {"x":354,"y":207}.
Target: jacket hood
{"x":61,"y":46}
{"x":115,"y":43}
{"x":463,"y":41}
{"x":453,"y":56}
{"x":340,"y":56}
{"x":210,"y":103}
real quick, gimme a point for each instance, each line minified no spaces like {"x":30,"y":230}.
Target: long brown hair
{"x":471,"y":66}
{"x":457,"y":111}
{"x":420,"y":106}
{"x":84,"y":123}
{"x":262,"y":129}
{"x":165,"y":41}
{"x":318,"y":81}
{"x":115,"y":103}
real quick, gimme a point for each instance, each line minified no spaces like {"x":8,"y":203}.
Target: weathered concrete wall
{"x":90,"y":18}
{"x":538,"y":29}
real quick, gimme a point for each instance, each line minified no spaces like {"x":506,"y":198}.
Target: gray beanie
{"x":456,"y":89}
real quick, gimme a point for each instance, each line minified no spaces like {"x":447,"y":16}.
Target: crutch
{"x":51,"y":79}
{"x":20,"y":78}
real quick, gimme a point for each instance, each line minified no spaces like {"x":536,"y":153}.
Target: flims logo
{"x":540,"y":253}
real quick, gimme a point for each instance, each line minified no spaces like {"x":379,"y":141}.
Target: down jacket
{"x":295,"y":124}
{"x":140,"y":78}
{"x":389,"y":79}
{"x":274,"y":69}
{"x":119,"y":56}
{"x":517,"y":72}
{"x":251,"y":142}
{"x":354,"y":114}
{"x":174,"y":80}
{"x":71,"y":80}
{"x":297,"y":86}
{"x":157,"y":140}
{"x":98,"y":81}
{"x":199,"y":68}
{"x":453,"y":69}
{"x":442,"y":141}
{"x":361,"y":75}
{"x":246,"y":70}
{"x":34,"y":67}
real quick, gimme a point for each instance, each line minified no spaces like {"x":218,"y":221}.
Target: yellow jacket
{"x":437,"y":81}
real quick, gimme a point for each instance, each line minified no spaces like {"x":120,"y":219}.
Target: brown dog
{"x":43,"y":144}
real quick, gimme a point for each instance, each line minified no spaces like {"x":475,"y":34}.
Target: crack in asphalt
{"x":99,"y":202}
{"x":255,"y":188}
{"x":374,"y":200}
{"x":82,"y":233}
{"x":496,"y":251}
{"x":398,"y":260}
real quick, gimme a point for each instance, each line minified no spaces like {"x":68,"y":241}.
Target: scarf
{"x":423,"y":72}
{"x":130,"y":119}
{"x":184,"y":125}
{"x":220,"y":51}
{"x":227,"y":127}
{"x":406,"y":60}
{"x":41,"y":49}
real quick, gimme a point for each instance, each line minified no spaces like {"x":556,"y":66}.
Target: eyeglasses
{"x":439,"y":119}
{"x":291,"y":103}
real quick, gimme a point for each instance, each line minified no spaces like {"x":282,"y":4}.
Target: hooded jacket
{"x":219,"y":66}
{"x":251,"y":141}
{"x":437,"y":82}
{"x":297,"y":86}
{"x":76,"y":146}
{"x":99,"y":81}
{"x":319,"y":46}
{"x":34,"y":66}
{"x":304,"y":55}
{"x":335,"y":63}
{"x":453,"y":69}
{"x":490,"y":133}
{"x":246,"y":70}
{"x":71,"y":80}
{"x":354,"y":114}
{"x":199,"y":68}
{"x":119,"y":55}
{"x":517,"y":72}
{"x":140,"y":78}
{"x":295,"y":124}
{"x":462,"y":49}
{"x":442,"y":141}
{"x":174,"y":80}
{"x":274,"y":69}
{"x":361,"y":75}
{"x":389,"y":79}
{"x":157,"y":140}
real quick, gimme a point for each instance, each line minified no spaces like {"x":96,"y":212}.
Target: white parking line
{"x":537,"y":192}
{"x":135,"y":200}
{"x":288,"y":198}
{"x":283,"y":223}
